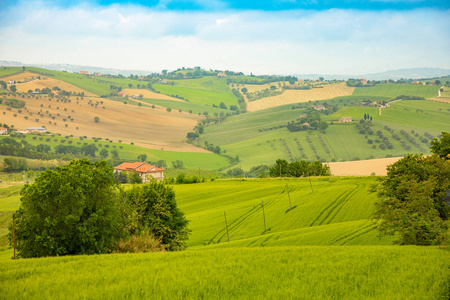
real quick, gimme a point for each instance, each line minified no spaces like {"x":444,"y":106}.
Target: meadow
{"x":293,"y":258}
{"x":281,"y":273}
{"x":198,"y":96}
{"x":258,"y":139}
{"x":394,"y":90}
{"x":191,"y":160}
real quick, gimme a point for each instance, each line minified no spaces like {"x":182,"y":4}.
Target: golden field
{"x":147,"y":127}
{"x":362,"y":167}
{"x":297,"y":96}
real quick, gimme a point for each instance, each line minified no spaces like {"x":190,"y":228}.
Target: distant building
{"x":319,"y":107}
{"x":84,"y":72}
{"x":306,"y":124}
{"x":146,"y":172}
{"x":12,"y":82}
{"x":363,"y":81}
{"x":345,"y":119}
{"x":165,"y":81}
{"x":303,"y":116}
{"x":221,"y":74}
{"x":36,"y":129}
{"x":3,"y":130}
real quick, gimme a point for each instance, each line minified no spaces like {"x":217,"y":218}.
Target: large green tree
{"x":441,"y":146}
{"x":73,"y":209}
{"x":410,"y":202}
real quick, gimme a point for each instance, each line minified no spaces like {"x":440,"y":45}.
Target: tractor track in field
{"x":334,"y":207}
{"x":353,"y":234}
{"x":236,"y":224}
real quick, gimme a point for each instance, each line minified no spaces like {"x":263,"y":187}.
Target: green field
{"x":198,"y":96}
{"x":293,"y":258}
{"x":5,"y":71}
{"x":253,"y":137}
{"x":191,"y":160}
{"x":275,"y":273}
{"x":394,"y":90}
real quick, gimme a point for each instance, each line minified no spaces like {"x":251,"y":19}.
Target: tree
{"x":441,"y":146}
{"x":96,"y":119}
{"x":156,"y":211}
{"x":178,"y":164}
{"x":192,"y":135}
{"x":115,"y":154}
{"x":89,"y":149}
{"x":244,"y":90}
{"x":13,"y":88}
{"x":134,"y":177}
{"x":410,"y":202}
{"x":222,"y":105}
{"x":73,"y":209}
{"x":168,"y":109}
{"x":142,"y":157}
{"x":3,"y":84}
{"x":104,"y":153}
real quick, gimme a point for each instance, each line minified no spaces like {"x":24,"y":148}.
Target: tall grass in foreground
{"x":360,"y":272}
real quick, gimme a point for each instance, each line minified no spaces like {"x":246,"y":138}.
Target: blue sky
{"x":263,"y":37}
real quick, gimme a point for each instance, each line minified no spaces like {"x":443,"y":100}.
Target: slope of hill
{"x":394,"y":90}
{"x":336,"y":213}
{"x":258,"y":137}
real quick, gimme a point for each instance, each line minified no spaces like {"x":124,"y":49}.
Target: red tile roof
{"x":128,"y":166}
{"x":139,"y":167}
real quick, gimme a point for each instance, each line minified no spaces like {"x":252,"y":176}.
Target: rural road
{"x":439,"y":91}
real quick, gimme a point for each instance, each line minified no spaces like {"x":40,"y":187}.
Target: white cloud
{"x":134,"y":37}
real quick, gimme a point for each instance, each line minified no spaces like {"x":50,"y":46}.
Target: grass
{"x":278,"y":273}
{"x":336,"y":213}
{"x":394,"y":90}
{"x":191,"y":160}
{"x":291,"y":259}
{"x":255,"y":139}
{"x":5,"y":71}
{"x":196,"y":96}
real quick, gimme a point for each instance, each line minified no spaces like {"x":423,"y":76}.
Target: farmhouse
{"x":3,"y":130}
{"x":303,"y":116}
{"x":165,"y":81}
{"x":222,"y":74}
{"x":12,"y":82}
{"x":84,"y":72}
{"x":306,"y":124}
{"x":319,"y":107}
{"x":345,"y":119}
{"x":36,"y":129}
{"x":147,"y":172}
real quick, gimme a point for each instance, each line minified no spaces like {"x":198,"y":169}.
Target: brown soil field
{"x":148,"y":94}
{"x":151,"y":128}
{"x":297,"y":96}
{"x":362,"y":167}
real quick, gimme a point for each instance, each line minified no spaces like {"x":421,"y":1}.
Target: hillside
{"x":261,"y":138}
{"x":287,"y":254}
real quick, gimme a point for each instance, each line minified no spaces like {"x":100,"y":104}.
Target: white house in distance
{"x":36,"y":129}
{"x":147,"y":172}
{"x":3,"y":130}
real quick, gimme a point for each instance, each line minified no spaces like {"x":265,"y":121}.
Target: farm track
{"x":236,"y":224}
{"x":353,"y":234}
{"x":334,"y":207}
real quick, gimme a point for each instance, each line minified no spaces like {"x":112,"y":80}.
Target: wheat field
{"x":297,"y":96}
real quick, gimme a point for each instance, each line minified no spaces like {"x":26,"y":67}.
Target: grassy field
{"x":337,"y":212}
{"x":191,"y":160}
{"x":274,"y":273}
{"x":198,"y":96}
{"x":291,"y":259}
{"x":255,"y":139}
{"x":6,"y":71}
{"x":394,"y":90}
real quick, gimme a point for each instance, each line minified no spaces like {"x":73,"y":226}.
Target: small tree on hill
{"x":96,"y":119}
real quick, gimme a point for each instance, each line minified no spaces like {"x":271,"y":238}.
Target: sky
{"x":261,"y":36}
